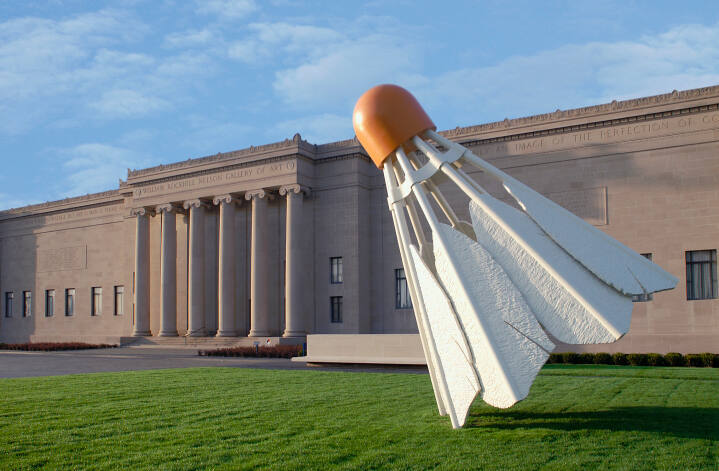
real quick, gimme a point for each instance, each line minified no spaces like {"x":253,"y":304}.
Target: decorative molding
{"x":169,"y":207}
{"x":614,"y":106}
{"x":50,"y":204}
{"x":590,"y":125}
{"x":258,"y":193}
{"x":226,"y":199}
{"x":195,"y":203}
{"x":142,"y":211}
{"x":295,"y":188}
{"x":295,"y":143}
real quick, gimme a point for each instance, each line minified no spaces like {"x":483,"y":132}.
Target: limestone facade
{"x":241,"y":243}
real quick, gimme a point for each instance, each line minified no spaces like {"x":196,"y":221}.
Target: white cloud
{"x":56,"y":70}
{"x":327,"y":66}
{"x":269,"y":39}
{"x":94,"y":167}
{"x":124,"y":103}
{"x":342,"y":74}
{"x":190,"y":38}
{"x":577,"y":75}
{"x":227,"y":9}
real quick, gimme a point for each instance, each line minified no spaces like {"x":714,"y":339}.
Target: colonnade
{"x":260,"y":263}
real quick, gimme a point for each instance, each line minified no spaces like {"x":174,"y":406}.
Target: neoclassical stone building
{"x":277,"y":241}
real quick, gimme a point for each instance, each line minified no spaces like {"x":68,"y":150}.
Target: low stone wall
{"x":387,"y":349}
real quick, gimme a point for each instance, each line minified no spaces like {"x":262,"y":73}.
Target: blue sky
{"x":91,"y":88}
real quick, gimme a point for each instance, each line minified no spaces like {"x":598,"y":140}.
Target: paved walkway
{"x":14,"y":364}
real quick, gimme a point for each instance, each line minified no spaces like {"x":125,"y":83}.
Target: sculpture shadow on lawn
{"x":682,"y":422}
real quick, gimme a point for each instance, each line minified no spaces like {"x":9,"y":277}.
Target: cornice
{"x":57,"y":205}
{"x":635,"y":104}
{"x":163,"y":179}
{"x":590,"y":125}
{"x":296,"y":145}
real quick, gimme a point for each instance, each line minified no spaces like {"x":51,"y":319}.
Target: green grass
{"x":576,"y":417}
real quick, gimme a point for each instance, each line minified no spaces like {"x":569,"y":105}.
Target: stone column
{"x":259,"y":275}
{"x":142,"y":273}
{"x":196,"y":269}
{"x":168,"y":271}
{"x":226,"y":301}
{"x":294,"y":268}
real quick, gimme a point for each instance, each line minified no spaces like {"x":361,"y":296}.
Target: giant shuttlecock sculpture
{"x":485,"y":293}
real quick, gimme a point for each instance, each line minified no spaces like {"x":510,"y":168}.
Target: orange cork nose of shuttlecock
{"x":385,"y":117}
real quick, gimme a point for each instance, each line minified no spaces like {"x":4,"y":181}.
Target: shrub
{"x":695,"y":360}
{"x":709,"y":359}
{"x":555,"y":358}
{"x":620,"y":359}
{"x":585,"y":358}
{"x":655,"y":359}
{"x":570,"y":358}
{"x":637,"y":359}
{"x":603,"y":359}
{"x":278,"y":351}
{"x":52,"y":346}
{"x":675,"y":359}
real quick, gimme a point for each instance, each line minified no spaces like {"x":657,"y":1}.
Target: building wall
{"x":60,"y":255}
{"x":645,"y":171}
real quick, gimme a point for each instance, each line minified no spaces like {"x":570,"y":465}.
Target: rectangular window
{"x":27,"y":303}
{"x":401,"y":291}
{"x":96,"y":308}
{"x":9,"y":296}
{"x":336,"y":270}
{"x":70,"y":302}
{"x":644,"y":297}
{"x":49,"y":302}
{"x":336,"y":309}
{"x":701,"y":274}
{"x":119,"y":301}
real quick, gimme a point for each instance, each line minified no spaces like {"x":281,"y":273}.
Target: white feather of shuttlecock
{"x":484,"y":293}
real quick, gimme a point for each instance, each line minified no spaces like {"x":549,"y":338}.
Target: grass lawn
{"x":576,"y":417}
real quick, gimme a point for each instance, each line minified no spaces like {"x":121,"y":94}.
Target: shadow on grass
{"x":685,"y":422}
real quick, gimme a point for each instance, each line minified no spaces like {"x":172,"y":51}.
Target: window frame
{"x":9,"y":301}
{"x":95,"y":301}
{"x":336,"y":303}
{"x":336,"y":277}
{"x":27,"y":303}
{"x":49,"y":302}
{"x":701,"y":283}
{"x":119,"y":307}
{"x":399,"y":280}
{"x":70,"y":305}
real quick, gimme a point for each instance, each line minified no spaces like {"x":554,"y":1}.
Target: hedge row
{"x":279,"y":351}
{"x":706,"y":360}
{"x":52,"y":346}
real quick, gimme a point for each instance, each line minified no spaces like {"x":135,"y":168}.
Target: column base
{"x":226,"y":333}
{"x":169,"y":333}
{"x":259,"y":333}
{"x":143,"y":333}
{"x":198,"y":333}
{"x":294,"y":334}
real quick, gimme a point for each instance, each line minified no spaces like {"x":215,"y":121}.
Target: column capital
{"x":258,"y":194}
{"x":142,"y":211}
{"x":228,"y":198}
{"x":295,"y":188}
{"x":168,"y":208}
{"x":195,"y":203}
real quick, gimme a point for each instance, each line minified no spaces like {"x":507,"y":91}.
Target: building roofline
{"x":297,"y":145}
